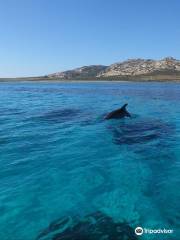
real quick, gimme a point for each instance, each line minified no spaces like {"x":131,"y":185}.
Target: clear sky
{"x":38,"y":37}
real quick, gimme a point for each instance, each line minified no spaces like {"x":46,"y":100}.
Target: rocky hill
{"x":133,"y":67}
{"x":82,"y":72}
{"x":147,"y":69}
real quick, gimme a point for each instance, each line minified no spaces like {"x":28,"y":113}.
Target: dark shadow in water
{"x":141,"y":131}
{"x":95,"y":226}
{"x":61,"y":115}
{"x":80,"y":116}
{"x":4,"y":141}
{"x":11,"y":111}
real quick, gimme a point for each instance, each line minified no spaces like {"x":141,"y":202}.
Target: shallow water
{"x":60,"y":158}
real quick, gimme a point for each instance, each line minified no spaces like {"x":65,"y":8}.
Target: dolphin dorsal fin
{"x":124,"y":106}
{"x":125,"y":110}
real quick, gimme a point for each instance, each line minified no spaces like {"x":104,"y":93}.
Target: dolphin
{"x":119,"y":113}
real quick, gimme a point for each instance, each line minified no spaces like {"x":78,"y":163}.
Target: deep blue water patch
{"x":61,"y":115}
{"x":91,"y":227}
{"x":138,"y":131}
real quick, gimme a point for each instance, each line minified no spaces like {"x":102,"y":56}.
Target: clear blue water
{"x":59,"y":157}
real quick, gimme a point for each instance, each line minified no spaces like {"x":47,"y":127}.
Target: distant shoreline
{"x":36,"y":80}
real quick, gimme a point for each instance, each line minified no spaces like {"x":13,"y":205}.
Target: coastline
{"x":32,"y":80}
{"x":158,"y":77}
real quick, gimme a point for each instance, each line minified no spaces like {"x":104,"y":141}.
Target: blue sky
{"x":38,"y":37}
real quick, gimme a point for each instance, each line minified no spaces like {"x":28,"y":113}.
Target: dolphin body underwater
{"x":119,"y":113}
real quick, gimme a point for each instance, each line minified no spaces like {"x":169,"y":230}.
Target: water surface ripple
{"x":60,"y":158}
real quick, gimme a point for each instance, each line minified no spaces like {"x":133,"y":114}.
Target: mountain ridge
{"x":168,"y":67}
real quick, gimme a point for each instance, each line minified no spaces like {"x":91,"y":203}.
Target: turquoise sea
{"x":60,"y":158}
